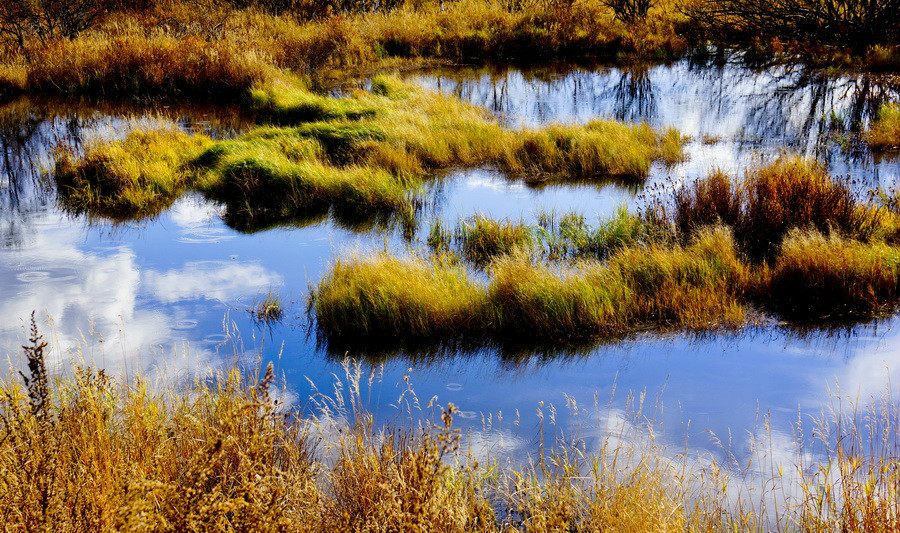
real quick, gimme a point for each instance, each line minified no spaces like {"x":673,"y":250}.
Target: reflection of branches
{"x":791,"y":105}
{"x":634,"y":96}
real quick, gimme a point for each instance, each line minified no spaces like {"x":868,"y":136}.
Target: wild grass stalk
{"x":90,"y":451}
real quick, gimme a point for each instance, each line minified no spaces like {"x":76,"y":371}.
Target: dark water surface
{"x":169,"y":297}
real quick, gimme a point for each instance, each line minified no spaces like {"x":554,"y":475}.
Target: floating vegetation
{"x":268,"y":310}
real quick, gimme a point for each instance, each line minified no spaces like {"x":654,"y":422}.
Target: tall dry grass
{"x":88,"y":451}
{"x":769,"y":201}
{"x":212,"y":49}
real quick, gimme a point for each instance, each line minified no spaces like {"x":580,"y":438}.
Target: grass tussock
{"x":599,"y":149}
{"x":834,"y":275}
{"x":357,"y":157}
{"x":884,"y":132}
{"x":697,"y":286}
{"x":384,"y":296}
{"x":89,"y":452}
{"x":482,"y":239}
{"x":138,"y":176}
{"x":770,"y":201}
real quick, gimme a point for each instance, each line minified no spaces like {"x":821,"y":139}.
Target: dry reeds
{"x":90,"y":452}
{"x":772,"y":200}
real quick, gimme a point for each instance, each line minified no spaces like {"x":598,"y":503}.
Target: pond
{"x":170,"y":297}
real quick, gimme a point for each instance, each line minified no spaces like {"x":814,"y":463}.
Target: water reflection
{"x":124,"y":295}
{"x":735,"y":115}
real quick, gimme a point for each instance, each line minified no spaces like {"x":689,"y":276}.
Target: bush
{"x":856,"y":24}
{"x":22,"y":20}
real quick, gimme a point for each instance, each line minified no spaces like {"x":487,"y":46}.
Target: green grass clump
{"x":361,"y":157}
{"x":818,"y":276}
{"x":599,"y":149}
{"x":533,"y":300}
{"x":482,"y":239}
{"x":138,"y":176}
{"x":771,"y":200}
{"x":267,"y":181}
{"x":383,"y":296}
{"x":569,"y":236}
{"x":884,"y":132}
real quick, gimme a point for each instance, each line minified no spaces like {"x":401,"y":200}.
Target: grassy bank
{"x":179,"y":47}
{"x":786,"y":240}
{"x":221,"y":49}
{"x":90,"y":452}
{"x":356,"y":157}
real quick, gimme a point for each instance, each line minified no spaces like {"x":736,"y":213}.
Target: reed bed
{"x":89,"y":451}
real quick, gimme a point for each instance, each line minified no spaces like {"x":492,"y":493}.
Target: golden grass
{"x":698,"y":287}
{"x":884,"y":132}
{"x":358,"y":157}
{"x":384,"y":296}
{"x":771,"y":200}
{"x":89,"y":452}
{"x":182,"y":47}
{"x":815,"y":274}
{"x":646,"y":284}
{"x":599,"y":149}
{"x":136,"y":177}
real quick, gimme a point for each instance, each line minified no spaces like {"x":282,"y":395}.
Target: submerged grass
{"x":90,"y":452}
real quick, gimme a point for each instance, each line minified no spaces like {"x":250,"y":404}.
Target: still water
{"x":169,"y":297}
